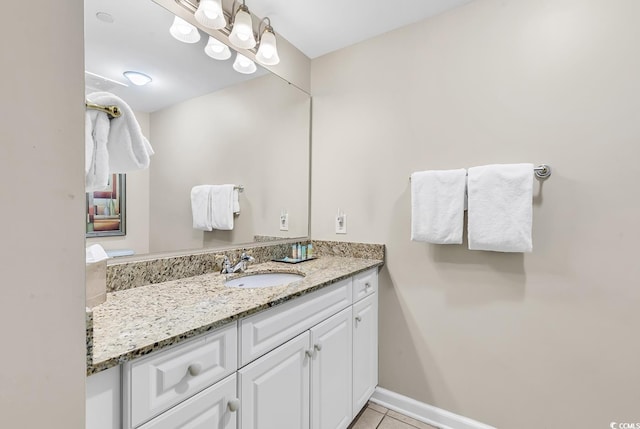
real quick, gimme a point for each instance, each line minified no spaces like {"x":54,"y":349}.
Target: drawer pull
{"x":358,"y":319}
{"x":233,"y":405}
{"x":194,"y":369}
{"x":367,"y":285}
{"x":318,"y":347}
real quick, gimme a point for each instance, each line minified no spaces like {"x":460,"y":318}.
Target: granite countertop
{"x":138,"y":321}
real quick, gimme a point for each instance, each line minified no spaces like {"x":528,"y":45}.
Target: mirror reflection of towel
{"x":213,"y":206}
{"x":129,"y":149}
{"x":222,"y":206}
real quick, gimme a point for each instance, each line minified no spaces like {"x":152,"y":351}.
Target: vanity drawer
{"x":265,"y":331}
{"x":211,"y":408}
{"x":156,"y":383}
{"x":364,"y":284}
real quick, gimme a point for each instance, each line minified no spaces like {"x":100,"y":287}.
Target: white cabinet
{"x":153,"y":384}
{"x":365,"y":350}
{"x":274,"y":390}
{"x":309,"y":363}
{"x":267,"y":330}
{"x":304,"y":383}
{"x":331,"y":403}
{"x":103,"y":400}
{"x":213,"y":408}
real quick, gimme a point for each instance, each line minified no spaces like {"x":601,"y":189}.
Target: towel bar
{"x":542,"y":172}
{"x":112,"y":111}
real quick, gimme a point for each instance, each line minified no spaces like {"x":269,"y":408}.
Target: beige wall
{"x":137,"y":206}
{"x":548,"y":339}
{"x":255,"y":134}
{"x":42,"y":362}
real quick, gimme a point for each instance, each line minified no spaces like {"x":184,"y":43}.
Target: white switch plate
{"x":341,"y":224}
{"x":284,"y":222}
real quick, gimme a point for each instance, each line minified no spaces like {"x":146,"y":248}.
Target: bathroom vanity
{"x":196,"y":352}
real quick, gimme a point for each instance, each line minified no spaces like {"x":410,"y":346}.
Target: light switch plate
{"x":284,"y":222}
{"x":341,"y":224}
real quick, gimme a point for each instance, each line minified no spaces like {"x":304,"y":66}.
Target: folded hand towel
{"x":437,"y":206}
{"x":236,"y":201}
{"x":500,"y":207}
{"x":129,"y":150}
{"x":96,"y":154}
{"x":222,"y":206}
{"x":201,"y":207}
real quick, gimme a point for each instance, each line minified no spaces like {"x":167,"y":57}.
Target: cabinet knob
{"x":233,"y":405}
{"x":318,"y":347}
{"x":367,"y":285}
{"x":309,"y":353}
{"x":358,"y":319}
{"x":194,"y":369}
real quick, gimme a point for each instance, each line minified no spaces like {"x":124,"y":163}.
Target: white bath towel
{"x":96,"y":153}
{"x":129,"y":149}
{"x":236,"y":201}
{"x":201,"y":207}
{"x":437,"y":206}
{"x":500,"y":207}
{"x":222,"y":207}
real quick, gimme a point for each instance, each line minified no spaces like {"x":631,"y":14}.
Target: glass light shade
{"x":183,"y":31}
{"x":217,"y":50}
{"x":242,"y":32}
{"x":244,"y":65}
{"x":137,"y":78}
{"x":210,"y":15}
{"x":268,"y":51}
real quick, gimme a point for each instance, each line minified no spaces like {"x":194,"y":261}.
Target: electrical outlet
{"x":284,"y":221}
{"x":341,"y":223}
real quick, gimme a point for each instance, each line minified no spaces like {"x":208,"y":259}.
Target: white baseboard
{"x":424,"y":412}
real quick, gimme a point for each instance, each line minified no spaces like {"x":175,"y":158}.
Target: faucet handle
{"x":226,"y":265}
{"x":247,"y":258}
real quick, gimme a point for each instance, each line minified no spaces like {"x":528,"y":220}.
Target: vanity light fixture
{"x":183,"y":31}
{"x":268,"y":51}
{"x":242,"y":28}
{"x":217,"y":50}
{"x":244,"y":65}
{"x":137,"y":78}
{"x":210,"y":14}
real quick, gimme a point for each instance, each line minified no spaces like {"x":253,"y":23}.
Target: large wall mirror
{"x":207,"y":123}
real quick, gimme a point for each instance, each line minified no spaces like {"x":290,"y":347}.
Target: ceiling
{"x":317,"y":27}
{"x":138,"y":39}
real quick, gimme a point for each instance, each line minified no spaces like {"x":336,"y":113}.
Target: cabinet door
{"x":331,"y":367}
{"x":209,"y":409}
{"x":365,"y":350}
{"x":274,"y":389}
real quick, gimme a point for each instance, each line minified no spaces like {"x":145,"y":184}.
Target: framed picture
{"x":106,"y":209}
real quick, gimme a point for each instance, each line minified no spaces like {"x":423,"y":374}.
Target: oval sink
{"x":263,"y":280}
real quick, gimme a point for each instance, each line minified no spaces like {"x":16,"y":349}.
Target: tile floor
{"x":374,"y":416}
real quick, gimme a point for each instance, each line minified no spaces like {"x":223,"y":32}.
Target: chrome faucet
{"x":240,"y":266}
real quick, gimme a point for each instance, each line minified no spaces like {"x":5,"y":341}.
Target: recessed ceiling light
{"x":137,"y":78}
{"x":105,"y":17}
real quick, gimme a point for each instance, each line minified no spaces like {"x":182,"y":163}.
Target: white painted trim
{"x":424,"y":412}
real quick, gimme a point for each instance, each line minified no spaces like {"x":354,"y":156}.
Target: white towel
{"x":236,"y":201}
{"x":201,"y":207}
{"x":129,"y":150}
{"x":96,"y":154}
{"x":437,"y":206}
{"x":500,"y":207}
{"x":222,"y":206}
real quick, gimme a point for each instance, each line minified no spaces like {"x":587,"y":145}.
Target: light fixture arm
{"x":268,"y":26}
